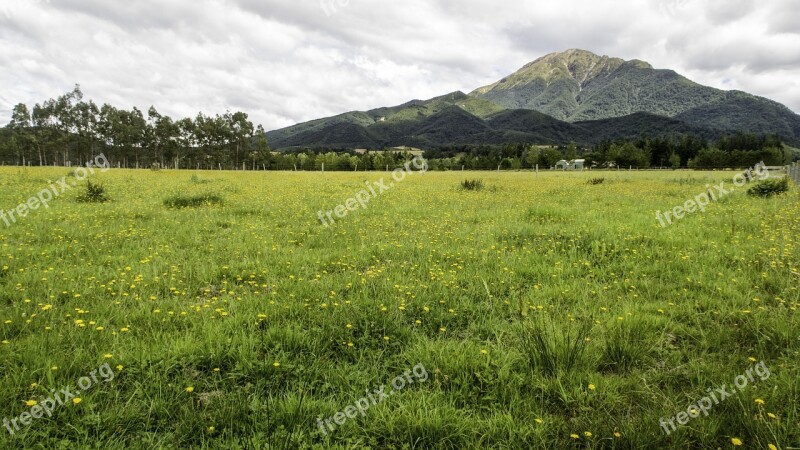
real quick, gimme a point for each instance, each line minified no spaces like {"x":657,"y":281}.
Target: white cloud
{"x":288,"y":61}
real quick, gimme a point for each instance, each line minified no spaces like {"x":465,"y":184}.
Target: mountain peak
{"x":575,"y":65}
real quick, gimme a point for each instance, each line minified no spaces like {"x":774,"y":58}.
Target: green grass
{"x":541,"y":308}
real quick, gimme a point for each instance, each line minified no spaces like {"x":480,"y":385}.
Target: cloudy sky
{"x":289,"y":61}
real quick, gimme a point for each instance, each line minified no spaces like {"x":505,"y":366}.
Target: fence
{"x":793,"y":172}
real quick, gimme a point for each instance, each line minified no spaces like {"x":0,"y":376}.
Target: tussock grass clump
{"x":769,"y":188}
{"x":552,"y":349}
{"x":623,"y":349}
{"x":192,"y":201}
{"x":197,"y":180}
{"x":472,"y":185}
{"x":95,"y":193}
{"x":596,"y":181}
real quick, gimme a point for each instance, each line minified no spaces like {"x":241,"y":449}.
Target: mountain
{"x":574,"y":96}
{"x":578,"y":85}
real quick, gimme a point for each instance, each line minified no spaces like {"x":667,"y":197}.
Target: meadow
{"x":547,"y":312}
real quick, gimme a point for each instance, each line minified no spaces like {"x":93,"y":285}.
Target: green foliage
{"x":595,"y":181}
{"x":197,"y":180}
{"x":472,"y":185}
{"x":769,"y":188}
{"x":95,"y":193}
{"x":674,"y":161}
{"x":192,"y":201}
{"x":628,"y":154}
{"x":714,"y":158}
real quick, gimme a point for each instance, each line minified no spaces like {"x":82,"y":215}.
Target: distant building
{"x":577,"y":164}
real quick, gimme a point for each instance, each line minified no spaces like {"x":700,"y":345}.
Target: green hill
{"x":574,"y":96}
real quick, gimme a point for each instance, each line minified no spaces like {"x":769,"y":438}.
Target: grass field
{"x":545,"y":312}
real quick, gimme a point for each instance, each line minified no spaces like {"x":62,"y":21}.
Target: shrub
{"x":197,"y":180}
{"x":769,"y":188}
{"x":472,"y":185}
{"x":95,"y":193}
{"x":192,"y":201}
{"x":596,"y":181}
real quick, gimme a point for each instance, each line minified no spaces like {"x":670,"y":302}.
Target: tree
{"x":571,"y":152}
{"x":550,"y":156}
{"x":21,"y":137}
{"x":675,"y":161}
{"x":241,"y":130}
{"x":630,"y":155}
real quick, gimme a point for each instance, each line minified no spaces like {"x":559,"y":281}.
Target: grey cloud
{"x":288,"y":61}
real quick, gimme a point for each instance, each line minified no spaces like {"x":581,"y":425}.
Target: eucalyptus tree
{"x":21,"y":135}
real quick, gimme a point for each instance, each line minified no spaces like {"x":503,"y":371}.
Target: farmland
{"x":547,"y":312}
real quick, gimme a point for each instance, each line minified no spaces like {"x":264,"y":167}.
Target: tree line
{"x":738,"y":150}
{"x":69,"y":131}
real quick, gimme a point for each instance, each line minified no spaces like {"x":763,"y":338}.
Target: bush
{"x":197,"y":180}
{"x":596,"y":181}
{"x":95,"y":193}
{"x":472,"y":185}
{"x":184,"y":201}
{"x":769,"y":188}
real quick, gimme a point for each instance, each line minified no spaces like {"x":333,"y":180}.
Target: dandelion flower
{"x":76,"y":400}
{"x":736,"y":441}
{"x":108,"y":356}
{"x":759,"y":401}
{"x":574,"y":436}
{"x":31,"y":403}
{"x":591,"y":387}
{"x":190,"y":389}
{"x":588,"y":434}
{"x":276,"y":364}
